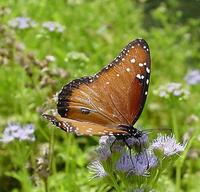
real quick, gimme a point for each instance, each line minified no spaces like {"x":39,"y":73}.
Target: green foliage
{"x":94,"y":32}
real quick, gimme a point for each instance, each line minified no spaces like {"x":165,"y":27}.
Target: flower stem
{"x":178,"y":167}
{"x":174,"y":124}
{"x":115,"y":184}
{"x":46,"y":185}
{"x":51,"y":148}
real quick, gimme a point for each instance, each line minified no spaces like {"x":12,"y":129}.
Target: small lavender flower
{"x":167,"y":144}
{"x":172,"y":89}
{"x":193,"y":77}
{"x":22,"y":23}
{"x":139,"y":165}
{"x":74,"y":55}
{"x":133,"y":167}
{"x":53,"y":26}
{"x":16,"y":131}
{"x":96,"y":169}
{"x":143,"y":162}
{"x":125,"y":164}
{"x":132,"y":141}
{"x":104,"y":150}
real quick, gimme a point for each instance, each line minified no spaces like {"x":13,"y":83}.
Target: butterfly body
{"x":111,"y":101}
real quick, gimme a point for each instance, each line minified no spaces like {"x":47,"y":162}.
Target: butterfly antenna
{"x":161,"y":129}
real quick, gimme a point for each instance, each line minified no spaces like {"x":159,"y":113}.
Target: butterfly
{"x":109,"y":102}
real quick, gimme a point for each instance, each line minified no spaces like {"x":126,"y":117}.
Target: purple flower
{"x":139,"y":165}
{"x":193,"y":77}
{"x":16,"y":131}
{"x":167,"y":144}
{"x":124,"y":164}
{"x":108,"y":145}
{"x":22,"y":23}
{"x":76,"y":56}
{"x":97,"y":170}
{"x":53,"y":26}
{"x":105,"y":144}
{"x":141,"y":141}
{"x":143,"y":162}
{"x":173,"y":89}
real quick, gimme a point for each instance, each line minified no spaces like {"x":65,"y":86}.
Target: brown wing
{"x":83,"y":128}
{"x":114,"y":96}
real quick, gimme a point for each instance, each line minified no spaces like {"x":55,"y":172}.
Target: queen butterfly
{"x":111,"y":101}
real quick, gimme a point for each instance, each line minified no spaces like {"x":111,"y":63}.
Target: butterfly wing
{"x":83,"y":128}
{"x":114,"y":96}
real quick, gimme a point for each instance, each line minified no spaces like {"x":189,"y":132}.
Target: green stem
{"x":178,"y":178}
{"x":174,"y":124}
{"x":51,"y":148}
{"x":115,"y":184}
{"x":46,"y":185}
{"x":178,"y":167}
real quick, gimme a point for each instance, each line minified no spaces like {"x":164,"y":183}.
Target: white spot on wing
{"x":128,"y":69}
{"x":138,"y":76}
{"x":133,"y":60}
{"x":141,"y":64}
{"x":148,"y":70}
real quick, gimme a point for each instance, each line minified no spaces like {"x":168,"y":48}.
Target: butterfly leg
{"x":143,"y":148}
{"x":112,"y":144}
{"x":129,"y":148}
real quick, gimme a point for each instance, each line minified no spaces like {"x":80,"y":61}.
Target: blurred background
{"x":44,"y":44}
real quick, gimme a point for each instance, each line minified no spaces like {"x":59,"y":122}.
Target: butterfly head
{"x":132,"y":132}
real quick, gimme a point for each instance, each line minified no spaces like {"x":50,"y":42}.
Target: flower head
{"x":172,"y":89}
{"x":97,"y":170}
{"x":167,"y":144}
{"x":74,"y":55}
{"x":138,"y":164}
{"x":105,"y":144}
{"x":53,"y":26}
{"x":125,"y":163}
{"x":132,"y":141}
{"x":130,"y":166}
{"x":143,"y":162}
{"x":193,"y":77}
{"x":16,"y":131}
{"x":22,"y":23}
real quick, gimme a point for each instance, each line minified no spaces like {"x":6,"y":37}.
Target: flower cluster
{"x":172,"y":89}
{"x":22,"y":23}
{"x":74,"y":55}
{"x":130,"y":167}
{"x":16,"y":131}
{"x":26,"y":23}
{"x":193,"y":77}
{"x":53,"y":26}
